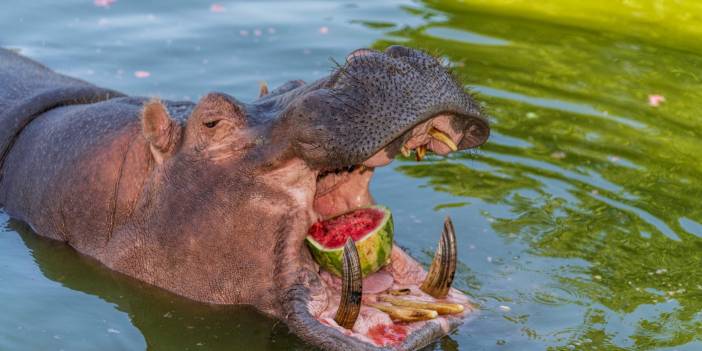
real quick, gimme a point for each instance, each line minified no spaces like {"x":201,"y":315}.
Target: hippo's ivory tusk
{"x":420,"y":152}
{"x":406,"y":314}
{"x":440,"y":307}
{"x":262,"y":89}
{"x":405,"y":151}
{"x":442,"y":137}
{"x":443,"y":267}
{"x":351,"y":287}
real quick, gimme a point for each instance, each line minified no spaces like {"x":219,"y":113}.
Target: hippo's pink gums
{"x":213,"y":200}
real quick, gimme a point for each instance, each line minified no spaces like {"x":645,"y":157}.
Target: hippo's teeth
{"x":440,"y":307}
{"x":442,"y":137}
{"x":262,"y":89}
{"x":420,"y":152}
{"x":443,"y":267}
{"x":406,"y":314}
{"x":351,"y":287}
{"x":405,"y":151}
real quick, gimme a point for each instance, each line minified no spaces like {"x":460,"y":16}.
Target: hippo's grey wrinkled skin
{"x":212,"y":201}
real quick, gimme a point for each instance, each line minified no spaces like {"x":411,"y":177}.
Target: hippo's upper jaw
{"x":374,"y":107}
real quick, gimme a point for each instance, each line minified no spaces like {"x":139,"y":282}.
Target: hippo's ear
{"x":160,"y":130}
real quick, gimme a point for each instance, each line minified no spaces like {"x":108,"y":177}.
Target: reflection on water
{"x":598,"y":189}
{"x":580,"y":224}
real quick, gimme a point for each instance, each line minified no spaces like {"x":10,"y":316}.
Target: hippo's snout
{"x":382,"y":102}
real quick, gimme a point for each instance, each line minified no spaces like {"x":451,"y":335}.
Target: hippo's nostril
{"x":398,"y":51}
{"x":359,"y":53}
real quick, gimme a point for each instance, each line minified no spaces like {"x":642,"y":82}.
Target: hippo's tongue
{"x":377,"y":282}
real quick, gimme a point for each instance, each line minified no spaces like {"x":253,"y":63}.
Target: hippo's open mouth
{"x":346,"y":189}
{"x":376,"y":106}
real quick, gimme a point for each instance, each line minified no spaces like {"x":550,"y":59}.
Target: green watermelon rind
{"x":374,"y":249}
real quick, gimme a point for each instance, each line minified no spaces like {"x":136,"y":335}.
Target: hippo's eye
{"x":211,"y":124}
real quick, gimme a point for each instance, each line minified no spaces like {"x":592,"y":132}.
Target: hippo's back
{"x":73,"y":160}
{"x":28,"y":88}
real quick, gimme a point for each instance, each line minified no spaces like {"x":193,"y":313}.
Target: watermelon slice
{"x":370,"y":227}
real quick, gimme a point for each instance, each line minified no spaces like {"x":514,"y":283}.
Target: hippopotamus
{"x":212,"y":200}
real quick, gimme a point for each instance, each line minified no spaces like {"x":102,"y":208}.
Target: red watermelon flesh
{"x":388,"y":334}
{"x":334,"y":232}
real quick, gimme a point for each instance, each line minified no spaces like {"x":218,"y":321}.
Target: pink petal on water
{"x":216,"y":8}
{"x":142,"y":74}
{"x":324,"y":30}
{"x":103,"y":3}
{"x":656,"y":100}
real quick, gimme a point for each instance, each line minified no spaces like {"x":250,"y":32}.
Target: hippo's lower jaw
{"x":314,"y":300}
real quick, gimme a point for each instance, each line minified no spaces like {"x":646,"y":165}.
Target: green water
{"x":579,"y":222}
